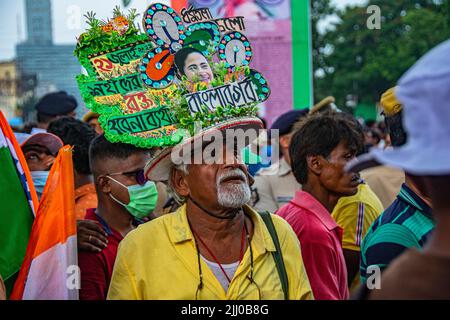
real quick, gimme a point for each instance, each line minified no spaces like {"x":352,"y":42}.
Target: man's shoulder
{"x":146,"y":232}
{"x":364,"y":195}
{"x":389,"y":228}
{"x":301,"y":220}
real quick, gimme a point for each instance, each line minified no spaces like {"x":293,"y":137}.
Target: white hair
{"x":178,"y":198}
{"x":233,"y":195}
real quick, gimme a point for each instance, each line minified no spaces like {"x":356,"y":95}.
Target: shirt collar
{"x":261,"y":240}
{"x":306,"y":201}
{"x":285,"y":168}
{"x":105,"y":226}
{"x":410,"y":197}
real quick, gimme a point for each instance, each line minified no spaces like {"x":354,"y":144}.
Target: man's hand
{"x":91,"y":236}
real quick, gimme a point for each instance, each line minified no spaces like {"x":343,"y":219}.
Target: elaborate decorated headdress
{"x":134,"y":84}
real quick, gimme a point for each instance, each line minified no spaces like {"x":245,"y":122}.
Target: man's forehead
{"x":344,"y":147}
{"x":131,"y":163}
{"x":36,"y":148}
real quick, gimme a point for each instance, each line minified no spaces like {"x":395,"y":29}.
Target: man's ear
{"x":104,"y":184}
{"x":315,"y":164}
{"x":285,"y":140}
{"x":179,"y":183}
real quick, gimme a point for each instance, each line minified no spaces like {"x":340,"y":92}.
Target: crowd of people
{"x":344,"y":199}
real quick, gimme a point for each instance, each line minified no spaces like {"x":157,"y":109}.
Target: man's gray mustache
{"x":233,"y":173}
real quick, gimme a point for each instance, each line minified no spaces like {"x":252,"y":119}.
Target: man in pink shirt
{"x":319,"y":150}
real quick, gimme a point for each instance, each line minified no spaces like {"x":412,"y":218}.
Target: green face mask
{"x":142,"y":198}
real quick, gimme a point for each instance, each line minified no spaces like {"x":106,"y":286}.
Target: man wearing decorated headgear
{"x":214,"y":246}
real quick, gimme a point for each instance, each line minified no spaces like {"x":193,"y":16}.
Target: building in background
{"x":53,"y":66}
{"x":8,"y":88}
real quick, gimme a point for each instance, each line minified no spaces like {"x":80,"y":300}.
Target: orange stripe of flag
{"x":55,"y":220}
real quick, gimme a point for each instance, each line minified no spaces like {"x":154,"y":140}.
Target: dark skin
{"x":327,"y":182}
{"x":439,"y":188}
{"x":221,"y":236}
{"x":114,"y":214}
{"x":38,"y":157}
{"x":285,"y":141}
{"x":93,"y":122}
{"x":81,"y":179}
{"x":352,"y":259}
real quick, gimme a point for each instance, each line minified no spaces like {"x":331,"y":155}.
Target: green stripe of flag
{"x":16,"y":219}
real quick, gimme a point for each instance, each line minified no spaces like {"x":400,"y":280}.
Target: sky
{"x":67,"y":19}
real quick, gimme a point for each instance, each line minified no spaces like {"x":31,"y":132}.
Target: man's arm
{"x":352,"y":258}
{"x":323,"y":271}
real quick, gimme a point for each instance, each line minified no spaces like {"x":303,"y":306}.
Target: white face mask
{"x":39,"y":180}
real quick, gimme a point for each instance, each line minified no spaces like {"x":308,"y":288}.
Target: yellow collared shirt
{"x":355,"y":214}
{"x":158,"y":260}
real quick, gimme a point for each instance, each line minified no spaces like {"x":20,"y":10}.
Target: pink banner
{"x":268,"y":26}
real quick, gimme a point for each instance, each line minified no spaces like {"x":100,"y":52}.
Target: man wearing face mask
{"x":40,"y":151}
{"x":124,"y":197}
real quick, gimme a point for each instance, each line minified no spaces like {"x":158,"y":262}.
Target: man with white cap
{"x":407,"y":222}
{"x":424,"y":91}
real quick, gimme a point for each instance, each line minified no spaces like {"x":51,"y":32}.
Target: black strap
{"x":277,"y":255}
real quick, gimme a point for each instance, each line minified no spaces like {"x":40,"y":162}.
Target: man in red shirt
{"x":124,"y":196}
{"x":319,"y":150}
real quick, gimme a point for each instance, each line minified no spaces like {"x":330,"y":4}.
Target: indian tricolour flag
{"x":51,"y":257}
{"x":18,"y":203}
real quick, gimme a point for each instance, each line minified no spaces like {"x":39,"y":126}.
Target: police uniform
{"x":274,"y":186}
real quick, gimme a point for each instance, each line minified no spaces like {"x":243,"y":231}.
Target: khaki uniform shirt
{"x":274,"y":187}
{"x":385,"y":182}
